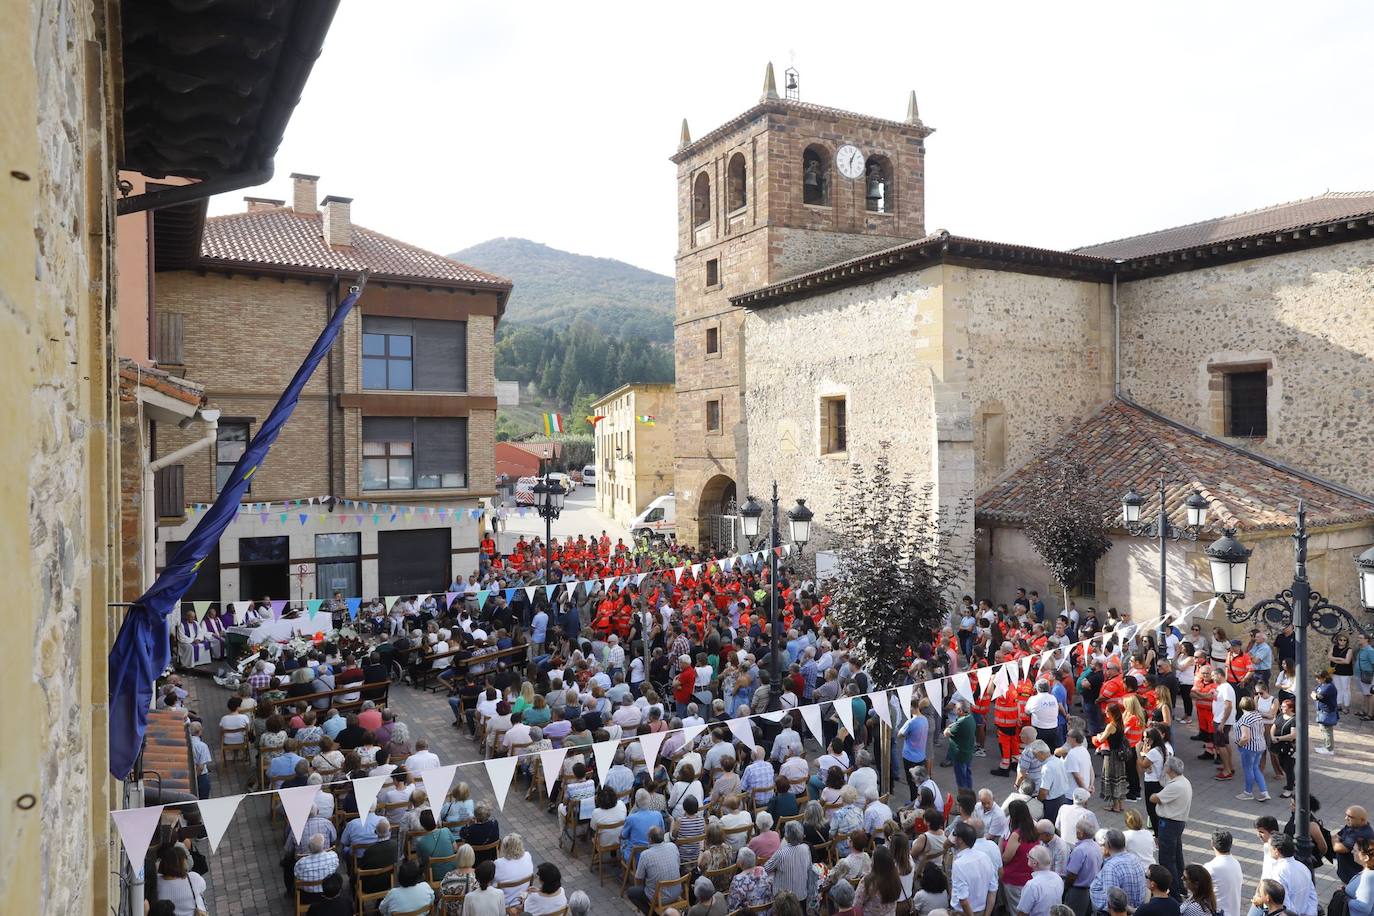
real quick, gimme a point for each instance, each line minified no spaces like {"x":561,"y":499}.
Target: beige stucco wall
{"x":56,"y":458}
{"x":1309,"y":311}
{"x":626,"y":485}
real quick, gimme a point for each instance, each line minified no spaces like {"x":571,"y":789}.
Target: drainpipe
{"x":1116,"y":344}
{"x":210,"y":418}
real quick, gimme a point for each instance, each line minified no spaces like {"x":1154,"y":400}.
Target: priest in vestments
{"x":212,"y":628}
{"x":193,"y":649}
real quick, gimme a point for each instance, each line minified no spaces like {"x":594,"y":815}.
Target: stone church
{"x":817,"y":319}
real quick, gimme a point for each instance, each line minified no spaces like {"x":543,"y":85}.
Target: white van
{"x":589,"y":475}
{"x":658,"y":520}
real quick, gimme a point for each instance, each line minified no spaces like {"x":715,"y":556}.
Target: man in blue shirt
{"x":1119,"y":869}
{"x":1261,"y":656}
{"x":359,"y":833}
{"x":283,"y":766}
{"x":638,"y":824}
{"x":915,"y":734}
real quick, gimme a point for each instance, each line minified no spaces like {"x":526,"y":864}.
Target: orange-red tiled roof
{"x":166,"y":750}
{"x":132,"y":375}
{"x":1125,"y":445}
{"x":281,"y":237}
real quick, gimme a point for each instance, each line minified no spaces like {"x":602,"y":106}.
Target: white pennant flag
{"x":365,"y":789}
{"x":604,"y":751}
{"x":999,"y":682}
{"x":297,"y":802}
{"x":743,"y":731}
{"x":935,"y":692}
{"x":136,"y":827}
{"x":811,"y":715}
{"x":678,"y":571}
{"x":962,"y":686}
{"x":844,"y":708}
{"x":651,"y":743}
{"x":216,"y":813}
{"x":1026,"y":663}
{"x":774,"y":716}
{"x":529,"y":593}
{"x":904,"y":697}
{"x":878,"y":699}
{"x":501,"y":770}
{"x":552,"y":763}
{"x":437,"y":781}
{"x":696,"y":570}
{"x":690,"y":732}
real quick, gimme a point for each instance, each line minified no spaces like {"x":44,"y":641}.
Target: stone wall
{"x":1307,"y":311}
{"x":58,"y":457}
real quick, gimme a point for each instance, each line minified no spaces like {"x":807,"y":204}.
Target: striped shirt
{"x":790,"y":867}
{"x":1255,"y":722}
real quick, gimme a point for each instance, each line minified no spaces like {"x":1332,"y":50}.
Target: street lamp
{"x":1305,"y":609}
{"x":548,"y":499}
{"x":1196,"y":505}
{"x":799,"y":528}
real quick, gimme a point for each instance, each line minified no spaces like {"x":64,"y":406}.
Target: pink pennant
{"x":277,"y":607}
{"x":136,"y":827}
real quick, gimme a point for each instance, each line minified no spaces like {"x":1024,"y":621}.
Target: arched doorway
{"x":719,"y":521}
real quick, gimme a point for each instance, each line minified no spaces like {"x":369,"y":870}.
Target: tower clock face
{"x":850,"y":161}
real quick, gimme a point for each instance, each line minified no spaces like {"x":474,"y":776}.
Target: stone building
{"x":93,"y":90}
{"x":968,"y":359}
{"x":402,"y":413}
{"x":634,"y":457}
{"x":744,"y":221}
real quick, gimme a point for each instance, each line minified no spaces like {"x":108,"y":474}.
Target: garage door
{"x":413,"y":562}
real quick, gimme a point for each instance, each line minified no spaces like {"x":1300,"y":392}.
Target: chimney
{"x":338,"y":227}
{"x":263,"y":203}
{"x":304,"y":192}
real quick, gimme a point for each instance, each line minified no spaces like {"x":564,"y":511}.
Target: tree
{"x":898,"y":563}
{"x":1067,"y":513}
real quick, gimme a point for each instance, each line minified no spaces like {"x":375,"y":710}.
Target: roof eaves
{"x":787,"y":106}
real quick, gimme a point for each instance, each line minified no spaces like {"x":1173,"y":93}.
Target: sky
{"x":1058,"y":124}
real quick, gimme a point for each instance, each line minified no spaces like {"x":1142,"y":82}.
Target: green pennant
{"x":201,"y":607}
{"x":313,"y":606}
{"x":481,"y":598}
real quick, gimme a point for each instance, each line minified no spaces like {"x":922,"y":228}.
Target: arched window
{"x":816,"y":176}
{"x":879,"y":192}
{"x":701,"y":199}
{"x":736,"y":193}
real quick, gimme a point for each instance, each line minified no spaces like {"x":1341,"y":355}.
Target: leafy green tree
{"x":1067,"y":515}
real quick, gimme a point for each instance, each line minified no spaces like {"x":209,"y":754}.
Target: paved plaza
{"x":245,"y":878}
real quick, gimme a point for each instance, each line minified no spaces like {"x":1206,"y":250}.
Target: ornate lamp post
{"x":548,"y":496}
{"x":1161,"y":528}
{"x":799,"y":523}
{"x":1305,"y":609}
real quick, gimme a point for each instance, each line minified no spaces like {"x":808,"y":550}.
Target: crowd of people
{"x":708,"y":808}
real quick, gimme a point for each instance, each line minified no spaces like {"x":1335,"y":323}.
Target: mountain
{"x":552,"y":288}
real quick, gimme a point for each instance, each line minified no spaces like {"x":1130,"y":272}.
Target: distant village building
{"x":1232,"y":355}
{"x":634,"y":456}
{"x":402,"y":413}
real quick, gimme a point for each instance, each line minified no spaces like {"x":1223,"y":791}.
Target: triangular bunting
{"x":696,"y":570}
{"x":201,"y":608}
{"x":962,"y":687}
{"x":743,"y":730}
{"x":437,"y":781}
{"x":552,"y":762}
{"x":313,"y":606}
{"x":353,"y":605}
{"x":774,"y":716}
{"x":304,"y":518}
{"x":136,"y":827}
{"x":501,"y":770}
{"x":999,"y":683}
{"x":935,"y":692}
{"x":878,"y":699}
{"x":216,"y":813}
{"x":297,"y":802}
{"x":365,"y":791}
{"x":678,"y":571}
{"x":811,"y":715}
{"x":510,"y":595}
{"x":690,"y":732}
{"x":904,"y":697}
{"x":448,"y":599}
{"x":390,"y":602}
{"x":844,"y":708}
{"x":604,"y":751}
{"x":651,"y":743}
{"x":549,"y":590}
{"x":482,"y":596}
{"x":277,"y":607}
{"x":529,"y":594}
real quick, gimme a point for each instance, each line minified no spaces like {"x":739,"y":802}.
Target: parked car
{"x":589,"y":475}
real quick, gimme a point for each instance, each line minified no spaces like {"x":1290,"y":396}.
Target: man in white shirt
{"x":987,"y":847}
{"x":692,"y":717}
{"x":1078,"y":763}
{"x":973,"y":883}
{"x":615,"y":654}
{"x":627,"y":716}
{"x":786,"y":740}
{"x":1223,"y":717}
{"x":1066,"y":823}
{"x":1226,"y":873}
{"x":1055,"y":784}
{"x":1045,"y":887}
{"x":795,"y":770}
{"x":1300,"y":895}
{"x":1043,"y":710}
{"x":991,"y":814}
{"x":423,"y":759}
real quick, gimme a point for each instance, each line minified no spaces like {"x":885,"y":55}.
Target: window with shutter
{"x":441,"y":355}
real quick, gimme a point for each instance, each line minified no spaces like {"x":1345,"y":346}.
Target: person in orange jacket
{"x":1006,"y":716}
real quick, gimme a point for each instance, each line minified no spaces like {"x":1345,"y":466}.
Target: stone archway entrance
{"x":719,"y":525}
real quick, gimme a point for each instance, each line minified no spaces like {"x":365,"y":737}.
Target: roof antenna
{"x":792,"y":79}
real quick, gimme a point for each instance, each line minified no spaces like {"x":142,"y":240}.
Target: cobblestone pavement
{"x":245,"y":878}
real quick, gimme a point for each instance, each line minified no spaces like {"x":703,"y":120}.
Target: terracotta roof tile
{"x":1286,"y":217}
{"x":1125,"y":445}
{"x":132,"y":375}
{"x":281,"y":237}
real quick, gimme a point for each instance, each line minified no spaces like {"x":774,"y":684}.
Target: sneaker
{"x":1286,"y":793}
{"x":1322,"y":750}
{"x":979,"y":752}
{"x":1245,"y":796}
{"x":1224,"y":776}
{"x":1262,"y":798}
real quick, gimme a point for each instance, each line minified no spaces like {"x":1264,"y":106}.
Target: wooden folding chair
{"x":599,"y":851}
{"x":571,"y":822}
{"x":827,"y":848}
{"x":370,"y":903}
{"x":418,"y":911}
{"x":518,"y":882}
{"x":361,"y":874}
{"x":757,"y":909}
{"x":744,"y":831}
{"x":412,"y":837}
{"x":538,"y":788}
{"x":721,"y":877}
{"x":784,"y":821}
{"x":440,"y":860}
{"x":227,"y":750}
{"x":301,"y":906}
{"x":670,"y":893}
{"x":484,"y":848}
{"x":835,"y":842}
{"x":630,"y":868}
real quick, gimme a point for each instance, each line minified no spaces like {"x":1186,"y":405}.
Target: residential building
{"x":634,"y":448}
{"x":525,"y":459}
{"x":401,"y":415}
{"x":95,"y":91}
